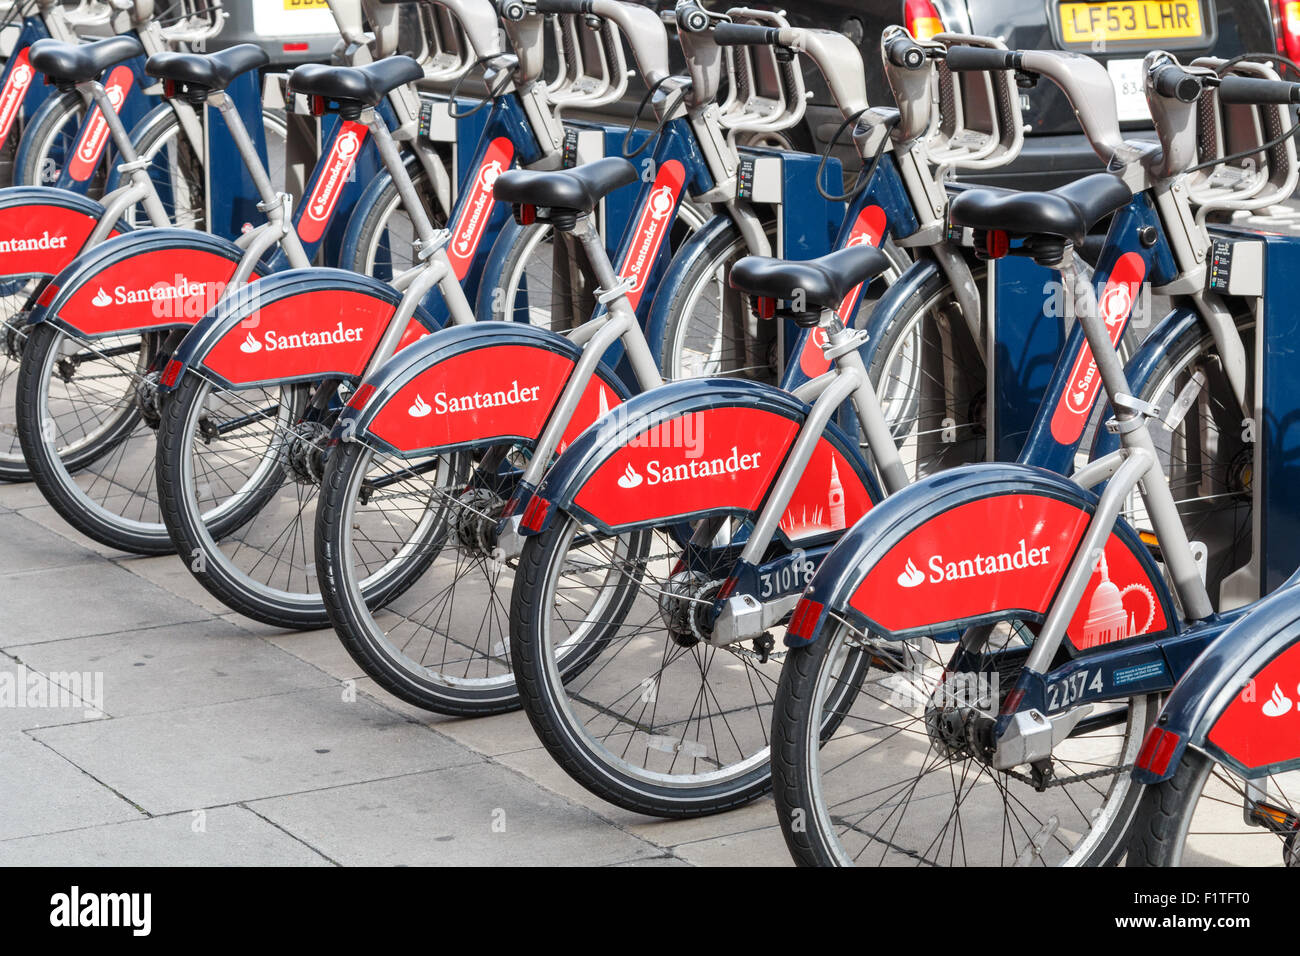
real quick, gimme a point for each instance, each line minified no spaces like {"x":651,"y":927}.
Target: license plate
{"x":293,"y":19}
{"x":1130,"y":94}
{"x":306,"y":4}
{"x":1131,"y":20}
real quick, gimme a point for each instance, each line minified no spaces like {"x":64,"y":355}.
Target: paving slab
{"x":93,"y":598}
{"x":176,"y":667}
{"x":321,"y":649}
{"x":27,"y":546}
{"x":250,"y":749}
{"x":41,"y":792}
{"x":29,"y":699}
{"x":169,"y":572}
{"x":224,"y":836}
{"x":481,"y":815}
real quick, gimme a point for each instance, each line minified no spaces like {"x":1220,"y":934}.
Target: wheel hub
{"x":476,"y":520}
{"x":304,"y":457}
{"x":1241,"y":472}
{"x":685,"y":606}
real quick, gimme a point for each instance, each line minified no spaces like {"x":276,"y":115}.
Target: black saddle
{"x":210,"y":71}
{"x":577,"y":189}
{"x":68,"y":63}
{"x":824,"y":282}
{"x":366,"y":85}
{"x":1067,"y":212}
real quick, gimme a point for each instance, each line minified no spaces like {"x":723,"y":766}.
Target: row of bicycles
{"x":737,"y":469}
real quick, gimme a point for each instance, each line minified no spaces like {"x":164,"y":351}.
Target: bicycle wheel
{"x":1208,"y":455}
{"x":903,"y":780}
{"x":661,"y":721}
{"x":442,"y":644}
{"x":1207,"y":815}
{"x":527,"y":287}
{"x":227,"y":457}
{"x":386,"y":238}
{"x":87,"y":410}
{"x":14,"y":295}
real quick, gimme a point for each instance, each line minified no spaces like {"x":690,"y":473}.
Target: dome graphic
{"x":1108,"y":620}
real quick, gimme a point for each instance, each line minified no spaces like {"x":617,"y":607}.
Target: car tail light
{"x":922,"y":19}
{"x":1286,"y":27}
{"x":296,"y":47}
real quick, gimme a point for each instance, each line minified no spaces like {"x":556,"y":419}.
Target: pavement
{"x":148,"y":725}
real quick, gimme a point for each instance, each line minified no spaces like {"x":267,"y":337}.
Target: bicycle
{"x":1025,"y":630}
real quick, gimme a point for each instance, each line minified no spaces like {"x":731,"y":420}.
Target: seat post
{"x":244,"y":143}
{"x":392,"y":160}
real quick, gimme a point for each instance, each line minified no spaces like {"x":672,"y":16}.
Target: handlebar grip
{"x":1175,"y":83}
{"x":905,"y":52}
{"x":564,"y":6}
{"x":1247,"y":89}
{"x":962,"y":57}
{"x":512,"y":10}
{"x":745,"y":34}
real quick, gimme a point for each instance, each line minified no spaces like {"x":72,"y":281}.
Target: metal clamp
{"x":439,"y":241}
{"x":855,"y":341}
{"x":134,"y":166}
{"x":1140,"y":410}
{"x":622,"y":287}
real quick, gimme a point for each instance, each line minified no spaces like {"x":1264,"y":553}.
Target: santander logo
{"x":346,"y":146}
{"x":471,"y":228}
{"x":912,"y":576}
{"x":630,"y":478}
{"x":97,"y":133}
{"x":101,"y":298}
{"x":419,"y":408}
{"x":658,"y":473}
{"x":250,"y":345}
{"x":652,"y":228}
{"x":978,"y":565}
{"x":1278,"y":704}
{"x":20,"y":78}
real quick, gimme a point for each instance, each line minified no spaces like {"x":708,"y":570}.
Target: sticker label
{"x":652,"y":228}
{"x":328,"y":331}
{"x":163,"y":287}
{"x":736,"y":454}
{"x":15,"y":90}
{"x":1262,"y":724}
{"x":316,"y":215}
{"x":1115,"y":305}
{"x":96,"y":133}
{"x":476,"y":206}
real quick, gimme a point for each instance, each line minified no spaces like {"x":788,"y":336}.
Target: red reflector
{"x":525,"y":214}
{"x":998,"y":243}
{"x":728,"y":586}
{"x":765,"y":306}
{"x":804,"y":618}
{"x":318,"y":106}
{"x":296,"y":48}
{"x":361,"y":396}
{"x":1149,"y":747}
{"x":169,"y":88}
{"x":535,"y":513}
{"x":172,"y":372}
{"x":47,"y":294}
{"x":1164,"y":753}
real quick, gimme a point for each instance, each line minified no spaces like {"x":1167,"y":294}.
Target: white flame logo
{"x":1278,"y":704}
{"x":630,"y":478}
{"x":419,"y":408}
{"x":1115,"y":304}
{"x":250,"y":345}
{"x":911,"y":576}
{"x":102,"y":298}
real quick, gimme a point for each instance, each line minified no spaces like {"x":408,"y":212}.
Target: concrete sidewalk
{"x":148,"y":725}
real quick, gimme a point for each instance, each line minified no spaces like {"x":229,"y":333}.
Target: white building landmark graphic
{"x":1108,"y":620}
{"x":818,"y":520}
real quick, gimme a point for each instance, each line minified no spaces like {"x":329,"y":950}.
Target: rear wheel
{"x":903,"y":780}
{"x":386,"y":237}
{"x":1207,"y":815}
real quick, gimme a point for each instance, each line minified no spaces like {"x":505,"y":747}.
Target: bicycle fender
{"x":149,"y":279}
{"x":298,"y":325}
{"x":474,"y":385}
{"x":42,"y":229}
{"x":1142,"y":366}
{"x":702,"y":447}
{"x":975,"y":544}
{"x":1239,"y":701}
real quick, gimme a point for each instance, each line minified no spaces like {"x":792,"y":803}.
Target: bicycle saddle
{"x":1068,"y":211}
{"x":79,"y":62}
{"x":824,"y":282}
{"x":577,"y":189}
{"x":212,"y":71}
{"x":366,"y":85}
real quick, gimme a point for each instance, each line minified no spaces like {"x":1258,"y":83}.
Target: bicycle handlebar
{"x":961,"y":58}
{"x":564,"y":6}
{"x":905,"y":52}
{"x":1245,"y":89}
{"x":1175,"y":83}
{"x":746,"y":34}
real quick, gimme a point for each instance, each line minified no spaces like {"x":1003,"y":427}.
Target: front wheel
{"x":902,"y":779}
{"x":1206,"y":815}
